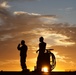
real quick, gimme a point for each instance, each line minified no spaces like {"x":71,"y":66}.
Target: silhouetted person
{"x":42,"y":47}
{"x":23,"y":54}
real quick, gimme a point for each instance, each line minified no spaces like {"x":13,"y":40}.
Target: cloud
{"x":60,"y":58}
{"x":34,"y":24}
{"x":51,"y":37}
{"x":5,"y":15}
{"x":33,"y":14}
{"x":5,"y":37}
{"x":49,"y":20}
{"x":43,"y":19}
{"x":4,"y":4}
{"x":69,"y":9}
{"x":25,"y":13}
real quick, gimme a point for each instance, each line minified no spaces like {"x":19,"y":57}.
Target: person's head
{"x":41,"y":39}
{"x":22,"y":42}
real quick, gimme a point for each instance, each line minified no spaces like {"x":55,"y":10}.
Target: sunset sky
{"x":55,"y":20}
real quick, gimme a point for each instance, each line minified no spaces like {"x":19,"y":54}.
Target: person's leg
{"x":23,"y":63}
{"x":39,"y":63}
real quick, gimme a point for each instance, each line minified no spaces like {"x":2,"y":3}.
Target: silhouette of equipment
{"x":47,"y":59}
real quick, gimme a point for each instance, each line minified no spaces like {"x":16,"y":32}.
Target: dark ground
{"x":35,"y":73}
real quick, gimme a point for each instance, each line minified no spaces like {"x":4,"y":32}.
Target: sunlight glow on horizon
{"x":44,"y":69}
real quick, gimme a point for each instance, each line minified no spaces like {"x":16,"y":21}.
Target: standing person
{"x":22,"y":47}
{"x":42,"y":47}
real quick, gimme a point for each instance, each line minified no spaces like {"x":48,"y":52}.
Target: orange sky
{"x":18,"y":25}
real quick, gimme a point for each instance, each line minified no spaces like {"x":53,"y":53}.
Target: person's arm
{"x":39,"y":48}
{"x":37,"y":51}
{"x":18,"y":47}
